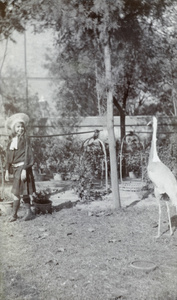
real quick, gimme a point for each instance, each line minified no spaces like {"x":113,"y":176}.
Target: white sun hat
{"x":17,"y":118}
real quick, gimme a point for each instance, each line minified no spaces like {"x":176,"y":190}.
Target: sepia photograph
{"x":88,"y":149}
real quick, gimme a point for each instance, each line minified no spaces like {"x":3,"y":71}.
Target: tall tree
{"x":105,"y":25}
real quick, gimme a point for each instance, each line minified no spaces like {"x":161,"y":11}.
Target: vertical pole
{"x":110,"y":128}
{"x":26,"y":72}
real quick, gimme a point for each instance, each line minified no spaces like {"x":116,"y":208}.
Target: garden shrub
{"x":89,"y":170}
{"x":83,"y":165}
{"x":134,"y":162}
{"x":131,"y":155}
{"x":55,"y":155}
{"x":67,"y":156}
{"x":137,"y":160}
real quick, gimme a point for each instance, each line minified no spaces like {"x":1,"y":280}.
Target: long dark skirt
{"x":20,"y":187}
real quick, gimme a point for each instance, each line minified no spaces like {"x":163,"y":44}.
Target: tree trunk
{"x":97,"y":90}
{"x":122,"y":118}
{"x":122,"y":134}
{"x":122,"y":126}
{"x":110,"y":128}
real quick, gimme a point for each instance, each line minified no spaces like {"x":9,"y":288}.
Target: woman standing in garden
{"x":19,"y":156}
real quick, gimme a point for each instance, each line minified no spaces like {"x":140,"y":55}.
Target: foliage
{"x":75,"y":89}
{"x":78,"y":60}
{"x":131,"y":154}
{"x":42,"y":196}
{"x":55,"y":155}
{"x":82,"y":55}
{"x":136,"y":156}
{"x":167,"y":155}
{"x":134,"y":162}
{"x":83,"y":166}
{"x":13,"y":93}
{"x":136,"y":35}
{"x":89,"y":29}
{"x":10,"y":17}
{"x":88,"y":170}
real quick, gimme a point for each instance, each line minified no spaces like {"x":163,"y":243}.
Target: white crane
{"x":163,"y":179}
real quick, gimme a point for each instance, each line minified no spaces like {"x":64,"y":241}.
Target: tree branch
{"x":4,"y":56}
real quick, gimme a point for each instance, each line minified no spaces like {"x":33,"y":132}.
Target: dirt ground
{"x":89,"y":251}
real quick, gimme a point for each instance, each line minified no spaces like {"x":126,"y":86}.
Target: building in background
{"x":26,"y":54}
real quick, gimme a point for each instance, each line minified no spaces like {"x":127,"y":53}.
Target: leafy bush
{"x":41,"y":196}
{"x":84,"y":165}
{"x":137,"y":160}
{"x":134,"y":162}
{"x":67,"y":156}
{"x":131,"y":155}
{"x":54,"y":155}
{"x":88,"y":169}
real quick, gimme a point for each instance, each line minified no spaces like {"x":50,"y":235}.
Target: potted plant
{"x":42,"y":202}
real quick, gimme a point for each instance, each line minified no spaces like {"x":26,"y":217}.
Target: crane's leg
{"x":159,"y":223}
{"x":158,"y":196}
{"x":169,"y":219}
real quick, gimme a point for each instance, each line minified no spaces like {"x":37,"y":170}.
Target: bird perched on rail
{"x":163,"y":179}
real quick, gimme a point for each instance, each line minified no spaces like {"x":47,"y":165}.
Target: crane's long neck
{"x":153,"y":157}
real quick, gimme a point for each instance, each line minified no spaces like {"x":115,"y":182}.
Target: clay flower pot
{"x":42,"y":204}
